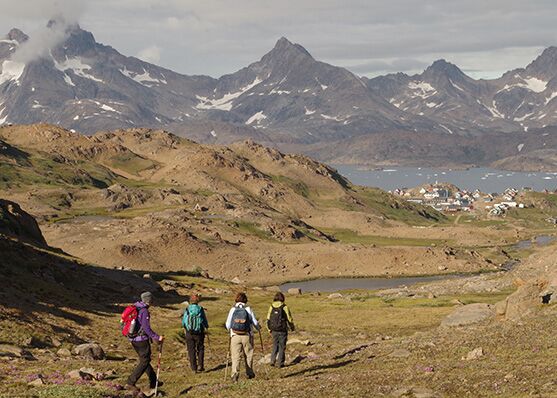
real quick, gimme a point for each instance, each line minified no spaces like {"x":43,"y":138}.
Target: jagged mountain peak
{"x":284,"y":49}
{"x":545,"y":64}
{"x":443,"y":67}
{"x":17,"y":35}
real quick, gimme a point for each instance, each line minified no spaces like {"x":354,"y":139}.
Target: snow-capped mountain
{"x":519,"y":100}
{"x":286,"y":99}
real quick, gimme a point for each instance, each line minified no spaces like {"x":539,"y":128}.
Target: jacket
{"x":144,"y":318}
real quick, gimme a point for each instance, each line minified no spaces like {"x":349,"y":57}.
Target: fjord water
{"x":485,"y":179}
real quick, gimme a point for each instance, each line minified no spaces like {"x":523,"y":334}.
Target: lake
{"x":485,"y":179}
{"x":337,"y":284}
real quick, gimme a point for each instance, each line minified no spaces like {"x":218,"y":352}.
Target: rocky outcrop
{"x":18,"y":224}
{"x":469,"y":315}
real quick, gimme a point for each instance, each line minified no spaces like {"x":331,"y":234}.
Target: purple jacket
{"x":143,"y":317}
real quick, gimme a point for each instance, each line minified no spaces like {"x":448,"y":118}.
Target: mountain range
{"x":289,"y":100}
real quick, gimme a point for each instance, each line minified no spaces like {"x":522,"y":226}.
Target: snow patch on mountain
{"x":144,"y":78}
{"x":308,"y":112}
{"x":11,"y":70}
{"x":531,"y":83}
{"x":335,"y":118}
{"x":422,"y":89}
{"x":78,"y":67}
{"x":258,"y":117}
{"x":225,"y":102}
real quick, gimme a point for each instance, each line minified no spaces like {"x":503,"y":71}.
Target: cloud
{"x":150,"y":54}
{"x":61,"y":14}
{"x":371,"y":36}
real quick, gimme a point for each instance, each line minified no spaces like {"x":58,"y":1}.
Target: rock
{"x":90,"y":350}
{"x":7,"y":350}
{"x":335,"y":296}
{"x":400,"y":353}
{"x":476,"y":353}
{"x":298,"y":341}
{"x":430,"y":295}
{"x":37,"y":382}
{"x":147,"y":276}
{"x":294,"y":291}
{"x":469,"y":315}
{"x":237,"y":281}
{"x":265,"y":360}
{"x":501,"y":307}
{"x":56,"y":343}
{"x":35,"y":342}
{"x":415,"y":392}
{"x":63,"y":352}
{"x":524,"y":301}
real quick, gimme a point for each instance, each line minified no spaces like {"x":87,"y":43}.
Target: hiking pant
{"x":143,"y":349}
{"x":196,"y":350}
{"x":279,"y":346}
{"x":241,"y":346}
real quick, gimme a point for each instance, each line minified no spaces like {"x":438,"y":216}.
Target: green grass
{"x":297,"y":186}
{"x":349,"y":236}
{"x":252,"y":229}
{"x":131,"y":163}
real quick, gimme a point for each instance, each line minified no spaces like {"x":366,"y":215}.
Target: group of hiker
{"x":241,"y":323}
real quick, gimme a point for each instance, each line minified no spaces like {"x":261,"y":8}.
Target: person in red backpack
{"x":142,"y":344}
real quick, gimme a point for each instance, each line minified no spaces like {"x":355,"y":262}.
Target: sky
{"x":369,"y":37}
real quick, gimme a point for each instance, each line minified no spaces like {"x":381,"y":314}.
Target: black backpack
{"x":277,"y":320}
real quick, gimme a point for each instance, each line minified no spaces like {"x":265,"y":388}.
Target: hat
{"x":147,"y":297}
{"x":194,"y":298}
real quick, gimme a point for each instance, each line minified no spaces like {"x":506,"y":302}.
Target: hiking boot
{"x":199,"y":370}
{"x":235,"y":378}
{"x":272,"y":364}
{"x":251,"y":376}
{"x":136,"y":392}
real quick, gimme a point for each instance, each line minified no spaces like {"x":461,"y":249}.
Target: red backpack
{"x":129,"y":322}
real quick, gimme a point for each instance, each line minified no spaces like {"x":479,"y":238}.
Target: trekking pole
{"x":227,"y":358}
{"x":158,"y":368}
{"x":261,"y":341}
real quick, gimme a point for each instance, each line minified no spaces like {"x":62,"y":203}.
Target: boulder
{"x":298,"y":341}
{"x":64,"y":352}
{"x":8,"y":350}
{"x":335,"y":296}
{"x":90,"y":351}
{"x":237,"y":281}
{"x":526,"y":299}
{"x":468,"y":315}
{"x":476,"y":353}
{"x":266,"y":360}
{"x":294,"y":291}
{"x":37,"y":382}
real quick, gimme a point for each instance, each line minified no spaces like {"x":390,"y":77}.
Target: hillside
{"x":152,"y":200}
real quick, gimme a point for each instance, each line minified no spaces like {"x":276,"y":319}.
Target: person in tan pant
{"x":241,"y":323}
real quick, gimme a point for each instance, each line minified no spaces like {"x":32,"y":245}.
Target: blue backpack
{"x":193,"y":319}
{"x":241,"y":321}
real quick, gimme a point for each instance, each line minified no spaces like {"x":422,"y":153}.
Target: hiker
{"x":195,"y":323}
{"x":279,"y":320}
{"x":241,"y":322}
{"x":142,"y":344}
